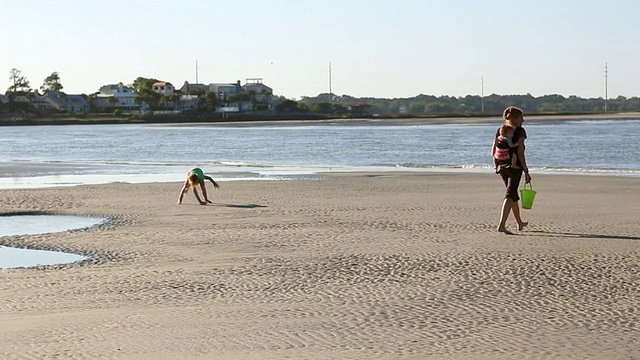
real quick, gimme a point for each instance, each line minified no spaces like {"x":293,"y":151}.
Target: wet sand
{"x":357,"y":266}
{"x":418,"y":121}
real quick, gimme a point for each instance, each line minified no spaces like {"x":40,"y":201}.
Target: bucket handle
{"x":525,"y":185}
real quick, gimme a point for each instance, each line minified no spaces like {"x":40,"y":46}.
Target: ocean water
{"x":35,"y":156}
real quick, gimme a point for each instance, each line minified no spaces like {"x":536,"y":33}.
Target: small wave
{"x":541,"y":169}
{"x":440,"y":166}
{"x":242,"y":164}
{"x":582,"y":170}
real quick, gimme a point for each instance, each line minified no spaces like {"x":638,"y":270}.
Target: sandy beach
{"x":497,"y":118}
{"x":355,"y":266}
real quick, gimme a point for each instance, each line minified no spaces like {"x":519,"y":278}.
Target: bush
{"x":117,"y":112}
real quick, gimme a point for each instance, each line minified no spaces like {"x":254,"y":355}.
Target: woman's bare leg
{"x":507,"y":206}
{"x":515,"y":208}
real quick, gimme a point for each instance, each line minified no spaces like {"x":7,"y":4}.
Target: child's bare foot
{"x":522,"y":225}
{"x":504,"y":231}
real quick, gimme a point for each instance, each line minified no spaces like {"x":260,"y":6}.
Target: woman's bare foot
{"x":504,"y":231}
{"x":522,"y":225}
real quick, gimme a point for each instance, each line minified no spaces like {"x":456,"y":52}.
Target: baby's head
{"x":506,"y":130}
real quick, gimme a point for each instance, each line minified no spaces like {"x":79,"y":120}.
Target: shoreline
{"x":296,"y":121}
{"x":414,"y":121}
{"x":9,"y":180}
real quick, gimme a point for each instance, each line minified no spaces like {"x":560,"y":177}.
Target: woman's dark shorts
{"x":511,"y":179}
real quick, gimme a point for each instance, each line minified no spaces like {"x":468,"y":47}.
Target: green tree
{"x":212,"y":100}
{"x":288,"y":106}
{"x":203,"y":97}
{"x":322,"y":108}
{"x":143,"y":87}
{"x":174,"y":99}
{"x":112,"y":101}
{"x":142,"y":84}
{"x":52,"y":83}
{"x":18,"y":82}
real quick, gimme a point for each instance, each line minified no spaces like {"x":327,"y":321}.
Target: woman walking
{"x":511,"y":175}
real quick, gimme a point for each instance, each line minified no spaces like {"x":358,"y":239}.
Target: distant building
{"x":260,"y":91}
{"x":115,"y":96}
{"x":19,"y":96}
{"x":187,"y":88}
{"x":176,"y":99}
{"x":163,"y":88}
{"x":54,"y":100}
{"x":223,"y":90}
{"x":254,"y":88}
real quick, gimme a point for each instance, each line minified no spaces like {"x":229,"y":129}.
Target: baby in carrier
{"x":504,"y":154}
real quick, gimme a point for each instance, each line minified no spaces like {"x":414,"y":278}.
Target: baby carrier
{"x":503,"y":152}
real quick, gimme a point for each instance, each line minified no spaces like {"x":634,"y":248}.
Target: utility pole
{"x":606,"y":86}
{"x":196,"y":71}
{"x":330,"y":93}
{"x":482,"y":94}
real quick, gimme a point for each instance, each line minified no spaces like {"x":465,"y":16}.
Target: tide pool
{"x":39,"y":224}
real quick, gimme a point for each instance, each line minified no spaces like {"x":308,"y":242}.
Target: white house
{"x":116,"y":96}
{"x":163,"y":88}
{"x":260,"y":91}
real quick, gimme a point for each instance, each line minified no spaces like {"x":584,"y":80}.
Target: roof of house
{"x":162,"y":83}
{"x":54,"y":97}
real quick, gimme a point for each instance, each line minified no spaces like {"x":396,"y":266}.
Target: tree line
{"x":423,"y":105}
{"x":334,"y":105}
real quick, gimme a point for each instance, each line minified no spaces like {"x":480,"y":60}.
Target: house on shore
{"x":176,"y":99}
{"x":235,"y":97}
{"x":57,"y":101}
{"x":117,"y":96}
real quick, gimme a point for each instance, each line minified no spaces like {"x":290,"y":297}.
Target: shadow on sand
{"x":241,"y":206}
{"x":583,"y":236}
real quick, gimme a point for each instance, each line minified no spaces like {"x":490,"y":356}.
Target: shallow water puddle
{"x":39,"y":224}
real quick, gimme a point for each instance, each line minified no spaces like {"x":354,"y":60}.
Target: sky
{"x":380,"y":48}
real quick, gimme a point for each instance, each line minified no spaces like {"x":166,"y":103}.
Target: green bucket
{"x":527,"y":196}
